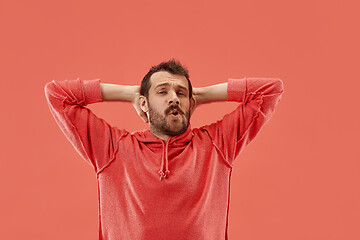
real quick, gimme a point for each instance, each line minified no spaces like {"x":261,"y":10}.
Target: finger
{"x":144,"y":117}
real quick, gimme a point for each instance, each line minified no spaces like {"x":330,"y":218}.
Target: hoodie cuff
{"x":92,"y":91}
{"x":236,"y":90}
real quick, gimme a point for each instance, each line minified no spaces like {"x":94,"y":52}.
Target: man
{"x":171,"y":181}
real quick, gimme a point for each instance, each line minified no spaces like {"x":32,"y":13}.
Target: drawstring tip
{"x":163,"y":175}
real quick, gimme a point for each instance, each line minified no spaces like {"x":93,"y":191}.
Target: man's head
{"x":172,"y":66}
{"x":166,"y":97}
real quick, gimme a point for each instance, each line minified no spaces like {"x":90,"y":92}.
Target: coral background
{"x":298,"y":179}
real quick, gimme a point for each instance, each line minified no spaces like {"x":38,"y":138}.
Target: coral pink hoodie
{"x":153,"y":189}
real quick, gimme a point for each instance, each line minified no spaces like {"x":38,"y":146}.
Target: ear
{"x":192,"y":104}
{"x":143,"y":103}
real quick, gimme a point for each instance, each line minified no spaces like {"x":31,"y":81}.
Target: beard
{"x":160,"y":123}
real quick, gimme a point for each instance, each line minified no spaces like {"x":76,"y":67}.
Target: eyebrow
{"x":167,"y":84}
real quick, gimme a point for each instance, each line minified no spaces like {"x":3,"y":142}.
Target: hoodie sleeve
{"x":258,"y":98}
{"x":92,"y":137}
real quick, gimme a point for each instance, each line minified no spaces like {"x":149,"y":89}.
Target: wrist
{"x":115,"y":92}
{"x":211,"y":93}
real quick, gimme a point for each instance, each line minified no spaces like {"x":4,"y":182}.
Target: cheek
{"x":186,"y":105}
{"x":156,"y":106}
{"x":153,"y":103}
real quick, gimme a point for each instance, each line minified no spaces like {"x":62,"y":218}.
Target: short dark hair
{"x":172,"y":66}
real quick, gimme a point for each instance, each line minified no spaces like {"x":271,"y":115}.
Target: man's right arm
{"x":115,"y":92}
{"x":93,"y":138}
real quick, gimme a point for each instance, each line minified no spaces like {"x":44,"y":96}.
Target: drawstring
{"x":164,"y":157}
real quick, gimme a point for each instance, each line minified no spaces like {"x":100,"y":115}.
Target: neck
{"x":159,"y":135}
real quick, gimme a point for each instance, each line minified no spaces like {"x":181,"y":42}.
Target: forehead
{"x":162,"y":77}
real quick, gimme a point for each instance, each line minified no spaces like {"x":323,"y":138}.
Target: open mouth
{"x":174,"y":113}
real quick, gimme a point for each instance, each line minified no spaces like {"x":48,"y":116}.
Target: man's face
{"x":168,"y":103}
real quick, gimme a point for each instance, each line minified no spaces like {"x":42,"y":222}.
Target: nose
{"x":173,"y":98}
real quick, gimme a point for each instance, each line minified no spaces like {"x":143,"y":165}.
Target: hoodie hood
{"x":151,"y":140}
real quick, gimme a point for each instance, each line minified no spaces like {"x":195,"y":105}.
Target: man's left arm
{"x":258,"y":98}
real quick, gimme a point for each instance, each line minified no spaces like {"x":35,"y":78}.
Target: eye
{"x":161,"y":92}
{"x":181,"y":93}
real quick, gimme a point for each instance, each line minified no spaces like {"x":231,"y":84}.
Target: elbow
{"x":47,"y":88}
{"x":50,"y":89}
{"x":278,"y":85}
